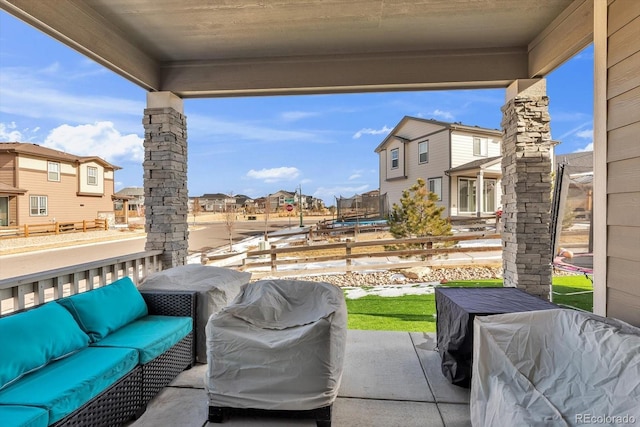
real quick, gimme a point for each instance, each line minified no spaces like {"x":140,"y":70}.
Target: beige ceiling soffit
{"x":569,"y":33}
{"x":79,"y":27}
{"x":346,"y":73}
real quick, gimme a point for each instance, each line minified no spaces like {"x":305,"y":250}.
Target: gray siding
{"x":623,"y":161}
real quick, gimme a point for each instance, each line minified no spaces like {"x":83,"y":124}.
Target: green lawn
{"x":416,"y":313}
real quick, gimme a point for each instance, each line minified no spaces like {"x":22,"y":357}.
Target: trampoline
{"x":571,"y":224}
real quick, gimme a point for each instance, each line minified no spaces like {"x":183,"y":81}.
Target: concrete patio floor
{"x":390,"y":379}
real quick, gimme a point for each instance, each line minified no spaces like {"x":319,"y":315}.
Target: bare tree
{"x":196,"y":208}
{"x":230,"y":217}
{"x":267,"y":210}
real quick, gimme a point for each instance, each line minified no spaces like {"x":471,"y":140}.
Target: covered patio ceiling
{"x":197,"y":48}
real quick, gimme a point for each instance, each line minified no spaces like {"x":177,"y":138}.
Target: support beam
{"x":600,"y":155}
{"x":567,"y":35}
{"x":346,"y":73}
{"x":77,"y":25}
{"x":526,"y":188}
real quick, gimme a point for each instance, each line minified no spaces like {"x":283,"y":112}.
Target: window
{"x":395,"y":158}
{"x":423,"y":152}
{"x":467,"y":195}
{"x":480,"y":147}
{"x":53,"y":169}
{"x":435,"y":186}
{"x":489,"y":195}
{"x":92,"y":175}
{"x":38,"y":205}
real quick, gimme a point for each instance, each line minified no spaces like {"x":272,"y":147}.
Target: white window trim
{"x":483,"y":147}
{"x":56,"y":172}
{"x":39,"y":207}
{"x":397,"y":159}
{"x":426,"y":145}
{"x":90,"y":176}
{"x":469,"y":180}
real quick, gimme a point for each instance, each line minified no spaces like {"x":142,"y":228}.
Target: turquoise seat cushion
{"x":104,"y":310}
{"x":23,"y":416}
{"x":151,"y":335}
{"x":31,"y":339}
{"x":65,"y":385}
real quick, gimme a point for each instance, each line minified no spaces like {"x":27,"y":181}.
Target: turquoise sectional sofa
{"x":95,"y":358}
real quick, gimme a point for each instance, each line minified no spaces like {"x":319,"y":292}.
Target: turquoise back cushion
{"x":104,"y":310}
{"x":32,"y":339}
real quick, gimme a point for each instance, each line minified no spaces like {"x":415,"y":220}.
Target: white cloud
{"x":445,"y":115}
{"x":48,"y":94}
{"x":588,"y":147}
{"x":291,"y":116}
{"x":247,"y":131}
{"x":587,"y":134}
{"x":369,"y":131}
{"x":9,"y":133}
{"x":283,"y":173}
{"x":354,"y":176}
{"x":99,"y":139}
{"x":570,"y":116}
{"x":576,"y":130}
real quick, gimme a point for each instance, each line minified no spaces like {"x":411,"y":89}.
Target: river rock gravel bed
{"x":406,"y":276}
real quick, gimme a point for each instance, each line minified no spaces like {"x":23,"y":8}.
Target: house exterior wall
{"x":447,"y":148}
{"x":438,"y":162}
{"x":397,"y":172}
{"x":462,"y":147}
{"x":437,"y":136}
{"x":622,"y":161}
{"x":83,"y":179}
{"x":63,"y":202}
{"x":7,"y":169}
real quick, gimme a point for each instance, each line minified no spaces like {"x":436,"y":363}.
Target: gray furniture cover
{"x":279,"y":346}
{"x":216,"y":287}
{"x":555,"y":368}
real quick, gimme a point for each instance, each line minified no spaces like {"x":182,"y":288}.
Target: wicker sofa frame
{"x":127,"y":399}
{"x":159,"y":372}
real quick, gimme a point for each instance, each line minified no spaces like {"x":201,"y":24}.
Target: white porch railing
{"x":30,"y":290}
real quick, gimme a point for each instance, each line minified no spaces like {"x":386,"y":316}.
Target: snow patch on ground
{"x":391,"y":290}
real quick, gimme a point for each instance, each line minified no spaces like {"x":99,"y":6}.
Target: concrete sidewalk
{"x":390,"y":379}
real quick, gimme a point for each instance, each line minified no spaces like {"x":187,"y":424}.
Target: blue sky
{"x":53,"y":96}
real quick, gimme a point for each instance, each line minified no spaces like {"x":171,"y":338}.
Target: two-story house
{"x":459,"y":163}
{"x":40,"y":185}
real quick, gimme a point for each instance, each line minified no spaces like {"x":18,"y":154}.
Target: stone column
{"x":165,"y":177}
{"x":526,"y":188}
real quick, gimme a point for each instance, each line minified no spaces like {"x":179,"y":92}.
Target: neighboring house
{"x":40,"y":185}
{"x":282,"y":198}
{"x":246,"y":203}
{"x":219,"y":202}
{"x":133,"y":198}
{"x":453,"y":159}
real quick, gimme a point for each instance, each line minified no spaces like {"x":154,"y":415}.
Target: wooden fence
{"x":332,"y":228}
{"x":59,"y":227}
{"x":393,"y":248}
